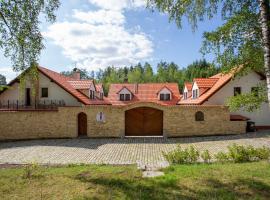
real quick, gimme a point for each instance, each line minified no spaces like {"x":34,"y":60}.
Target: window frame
{"x":42,"y":94}
{"x":91,"y":94}
{"x":199,"y":116}
{"x":122,"y":97}
{"x":235,"y":92}
{"x":127,"y":97}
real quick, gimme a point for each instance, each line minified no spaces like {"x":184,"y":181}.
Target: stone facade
{"x":177,"y":121}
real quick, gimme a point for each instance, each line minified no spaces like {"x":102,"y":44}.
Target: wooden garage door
{"x":144,"y":121}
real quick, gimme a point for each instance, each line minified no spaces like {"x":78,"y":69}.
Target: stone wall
{"x":177,"y":121}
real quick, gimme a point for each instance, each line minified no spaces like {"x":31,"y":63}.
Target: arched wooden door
{"x":144,"y":121}
{"x":82,"y":124}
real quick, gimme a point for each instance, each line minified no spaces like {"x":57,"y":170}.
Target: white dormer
{"x":92,"y":91}
{"x":124,"y":94}
{"x":165,"y":94}
{"x":195,"y":91}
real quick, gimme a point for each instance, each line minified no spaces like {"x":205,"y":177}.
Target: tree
{"x":2,"y":80}
{"x":231,"y":10}
{"x":20,"y":35}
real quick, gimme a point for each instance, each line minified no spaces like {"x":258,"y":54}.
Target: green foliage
{"x":205,"y":155}
{"x":222,"y":157}
{"x":31,"y":170}
{"x":3,"y":80}
{"x":183,"y":156}
{"x":248,"y":102}
{"x":20,"y":35}
{"x":238,"y":153}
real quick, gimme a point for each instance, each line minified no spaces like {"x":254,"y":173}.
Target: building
{"x":63,"y":106}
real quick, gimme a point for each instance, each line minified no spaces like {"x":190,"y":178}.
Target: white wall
{"x":55,"y":92}
{"x":260,"y":117}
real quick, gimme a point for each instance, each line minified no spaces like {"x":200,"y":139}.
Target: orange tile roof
{"x":80,"y":84}
{"x":99,"y":86}
{"x":64,"y":82}
{"x":205,"y":82}
{"x":219,"y":79}
{"x":188,"y":85}
{"x":146,"y":92}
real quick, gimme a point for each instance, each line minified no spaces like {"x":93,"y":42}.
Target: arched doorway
{"x":82,"y":124}
{"x":144,"y":121}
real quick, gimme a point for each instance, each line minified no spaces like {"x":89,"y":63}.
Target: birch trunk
{"x":265,"y":26}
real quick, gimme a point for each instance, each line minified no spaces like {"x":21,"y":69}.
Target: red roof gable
{"x":64,"y":82}
{"x":205,"y":82}
{"x":188,"y":85}
{"x":146,"y":92}
{"x":219,"y":80}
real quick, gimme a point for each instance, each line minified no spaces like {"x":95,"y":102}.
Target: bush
{"x":183,"y":156}
{"x":262,"y":153}
{"x":31,"y":170}
{"x":239,"y":153}
{"x":222,"y":157}
{"x":206,"y":156}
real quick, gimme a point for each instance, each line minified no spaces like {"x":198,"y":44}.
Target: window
{"x":101,"y":96}
{"x":122,"y":97}
{"x":165,"y":97}
{"x":92,"y":94}
{"x":195,"y":93}
{"x":127,"y":97}
{"x":236,"y":91}
{"x":185,"y":95}
{"x":255,"y":91}
{"x":199,"y":116}
{"x":44,"y":92}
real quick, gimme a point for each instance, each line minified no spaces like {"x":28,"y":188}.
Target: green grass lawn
{"x":201,"y":181}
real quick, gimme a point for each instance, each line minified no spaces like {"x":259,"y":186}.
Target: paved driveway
{"x":142,"y":151}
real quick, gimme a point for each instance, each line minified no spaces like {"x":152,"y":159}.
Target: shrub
{"x":183,"y":156}
{"x":206,"y":156}
{"x":239,"y":153}
{"x":222,"y":157}
{"x":31,"y":170}
{"x":262,"y":153}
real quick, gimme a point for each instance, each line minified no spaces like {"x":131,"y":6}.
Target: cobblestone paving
{"x":141,"y":151}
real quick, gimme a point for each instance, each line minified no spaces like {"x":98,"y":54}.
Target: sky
{"x":94,"y":34}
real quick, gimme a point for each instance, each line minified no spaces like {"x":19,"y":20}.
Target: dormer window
{"x":185,"y":95}
{"x":125,"y":97}
{"x":165,"y":97}
{"x":165,"y":94}
{"x":101,"y":96}
{"x":195,"y":93}
{"x":91,"y":94}
{"x":125,"y":94}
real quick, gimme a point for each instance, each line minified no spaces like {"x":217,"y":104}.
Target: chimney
{"x":76,"y":74}
{"x":125,"y":80}
{"x":136,"y":88}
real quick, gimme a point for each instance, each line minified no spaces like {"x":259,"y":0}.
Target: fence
{"x":39,"y":105}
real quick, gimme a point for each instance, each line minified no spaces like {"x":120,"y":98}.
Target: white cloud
{"x":99,"y":38}
{"x":118,"y":4}
{"x":8,"y":73}
{"x":100,"y":17}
